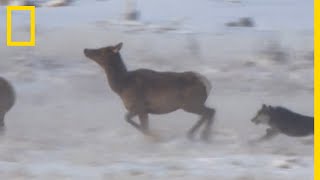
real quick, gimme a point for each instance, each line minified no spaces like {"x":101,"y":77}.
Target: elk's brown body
{"x":145,"y":91}
{"x":7,"y":99}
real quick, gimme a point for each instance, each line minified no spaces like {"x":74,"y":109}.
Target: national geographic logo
{"x":31,"y":9}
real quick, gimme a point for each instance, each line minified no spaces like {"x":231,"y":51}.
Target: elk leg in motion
{"x":2,"y":119}
{"x":195,"y":127}
{"x":205,"y":135}
{"x":206,"y":117}
{"x":144,"y":122}
{"x":2,"y":126}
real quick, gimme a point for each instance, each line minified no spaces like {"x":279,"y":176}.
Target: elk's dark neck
{"x":116,"y":72}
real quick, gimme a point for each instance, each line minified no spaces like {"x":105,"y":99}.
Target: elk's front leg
{"x":144,"y":122}
{"x":143,"y":127}
{"x":2,"y":119}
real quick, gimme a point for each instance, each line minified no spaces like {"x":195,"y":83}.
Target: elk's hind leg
{"x":2,"y":126}
{"x":206,"y":115}
{"x":195,"y":127}
{"x":209,"y":116}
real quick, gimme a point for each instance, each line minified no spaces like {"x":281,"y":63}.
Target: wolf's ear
{"x":117,"y":47}
{"x":264,"y":106}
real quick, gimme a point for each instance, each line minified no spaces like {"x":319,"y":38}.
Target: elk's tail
{"x":205,"y":81}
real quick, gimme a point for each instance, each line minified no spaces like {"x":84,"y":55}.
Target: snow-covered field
{"x":68,"y":124}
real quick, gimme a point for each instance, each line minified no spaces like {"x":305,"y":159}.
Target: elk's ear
{"x":117,"y":48}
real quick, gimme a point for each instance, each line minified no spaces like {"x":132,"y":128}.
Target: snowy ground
{"x":68,"y":124}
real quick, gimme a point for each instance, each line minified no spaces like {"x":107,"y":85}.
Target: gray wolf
{"x":283,"y":121}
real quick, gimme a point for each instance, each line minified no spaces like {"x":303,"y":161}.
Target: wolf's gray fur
{"x":284,"y":121}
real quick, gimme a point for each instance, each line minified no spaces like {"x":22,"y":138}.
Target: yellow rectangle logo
{"x":32,"y":26}
{"x":316,"y":89}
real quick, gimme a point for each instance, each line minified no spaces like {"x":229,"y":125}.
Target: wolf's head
{"x":263,"y":115}
{"x":103,"y":56}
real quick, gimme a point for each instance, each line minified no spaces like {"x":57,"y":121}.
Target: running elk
{"x":145,"y":91}
{"x":7,"y":100}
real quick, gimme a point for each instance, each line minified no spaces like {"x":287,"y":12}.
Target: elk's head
{"x":105,"y":55}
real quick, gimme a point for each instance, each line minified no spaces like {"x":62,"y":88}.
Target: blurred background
{"x":68,"y":124}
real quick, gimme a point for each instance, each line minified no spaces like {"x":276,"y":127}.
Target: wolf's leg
{"x":270,"y":133}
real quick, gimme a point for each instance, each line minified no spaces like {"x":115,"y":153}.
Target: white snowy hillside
{"x":68,"y":124}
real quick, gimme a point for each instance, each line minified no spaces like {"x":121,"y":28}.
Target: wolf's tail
{"x":205,"y":81}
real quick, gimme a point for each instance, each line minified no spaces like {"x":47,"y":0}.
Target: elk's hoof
{"x":190,"y":136}
{"x":153,"y":136}
{"x":206,"y":136}
{"x":2,"y":130}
